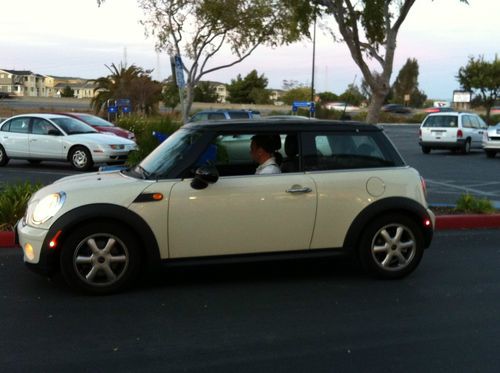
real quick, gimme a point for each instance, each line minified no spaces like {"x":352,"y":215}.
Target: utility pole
{"x":314,"y":60}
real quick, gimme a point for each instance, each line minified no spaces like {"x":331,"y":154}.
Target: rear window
{"x":339,"y":151}
{"x":441,"y":121}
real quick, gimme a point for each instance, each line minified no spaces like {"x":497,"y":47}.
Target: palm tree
{"x":133,"y":83}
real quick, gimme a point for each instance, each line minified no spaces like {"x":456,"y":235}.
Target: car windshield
{"x":161,"y":161}
{"x":94,"y":121}
{"x":72,"y":126}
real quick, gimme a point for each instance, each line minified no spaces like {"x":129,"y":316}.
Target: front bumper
{"x":491,"y":145}
{"x":37,"y":256}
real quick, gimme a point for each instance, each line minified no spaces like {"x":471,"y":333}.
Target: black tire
{"x":491,"y":153}
{"x":426,"y":149}
{"x":391,"y":246}
{"x":34,"y":162}
{"x":80,"y":158}
{"x":100,"y":258}
{"x":466,"y":147}
{"x":4,"y":159}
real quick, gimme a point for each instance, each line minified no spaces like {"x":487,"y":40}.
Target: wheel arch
{"x":109,"y":213}
{"x":390,"y":205}
{"x":70,"y":150}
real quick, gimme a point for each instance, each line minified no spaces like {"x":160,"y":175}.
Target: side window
{"x":239,"y":115}
{"x":199,"y":117}
{"x":339,"y":151}
{"x":466,"y":121}
{"x":482,"y":124}
{"x":231,"y":154}
{"x":216,"y":116}
{"x":41,"y":127}
{"x":6,"y":126}
{"x":19,"y":125}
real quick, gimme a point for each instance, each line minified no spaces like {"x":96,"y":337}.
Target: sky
{"x":78,"y":38}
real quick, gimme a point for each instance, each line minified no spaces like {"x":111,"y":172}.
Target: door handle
{"x":299,"y":189}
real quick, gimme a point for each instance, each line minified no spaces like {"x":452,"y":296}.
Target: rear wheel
{"x":3,"y":157}
{"x":81,"y":159}
{"x":491,"y":153}
{"x":100,"y":258}
{"x":391,"y":246}
{"x":426,"y":149}
{"x":466,"y":147}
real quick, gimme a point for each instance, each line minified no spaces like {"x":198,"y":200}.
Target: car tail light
{"x":460,"y":134}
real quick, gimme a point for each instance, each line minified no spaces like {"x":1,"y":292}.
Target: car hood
{"x":101,"y":138}
{"x":115,"y":130}
{"x":494,"y":130}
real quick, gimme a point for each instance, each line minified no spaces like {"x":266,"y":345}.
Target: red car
{"x":102,"y":125}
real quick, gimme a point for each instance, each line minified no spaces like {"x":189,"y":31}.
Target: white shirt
{"x":268,"y":167}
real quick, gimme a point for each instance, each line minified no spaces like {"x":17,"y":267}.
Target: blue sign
{"x":179,"y":71}
{"x":112,"y":109}
{"x":122,"y":102}
{"x":126,"y":109}
{"x":297,"y":104}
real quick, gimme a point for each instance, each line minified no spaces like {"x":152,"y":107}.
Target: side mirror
{"x":204,"y":176}
{"x":53,"y":132}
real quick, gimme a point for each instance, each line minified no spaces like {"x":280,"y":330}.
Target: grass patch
{"x":13,"y":203}
{"x":467,"y":203}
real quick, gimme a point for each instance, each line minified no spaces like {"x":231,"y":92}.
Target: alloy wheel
{"x":393,"y":247}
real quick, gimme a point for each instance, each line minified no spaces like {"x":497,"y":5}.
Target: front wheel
{"x":100,"y":258}
{"x":391,"y":247}
{"x":81,"y":159}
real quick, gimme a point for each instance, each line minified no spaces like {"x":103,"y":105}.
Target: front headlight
{"x":117,"y":147}
{"x":47,"y":207}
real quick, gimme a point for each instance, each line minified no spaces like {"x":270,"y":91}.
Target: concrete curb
{"x":443,"y":222}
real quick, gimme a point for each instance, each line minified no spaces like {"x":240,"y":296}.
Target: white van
{"x":451,"y":130}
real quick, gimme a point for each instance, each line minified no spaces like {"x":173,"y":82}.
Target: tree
{"x":352,"y":95}
{"x":131,"y":83}
{"x":170,"y":95}
{"x":68,"y":92}
{"x":205,"y":92}
{"x":370,"y":28}
{"x":249,"y":90}
{"x":406,"y":83}
{"x":198,"y":30}
{"x":483,"y":78}
{"x":328,"y":97}
{"x":297,"y":94}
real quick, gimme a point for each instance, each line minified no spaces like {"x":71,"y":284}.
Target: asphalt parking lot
{"x":448,"y":175}
{"x":298,"y":316}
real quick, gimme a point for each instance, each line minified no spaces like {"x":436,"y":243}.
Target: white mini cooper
{"x":343,"y":187}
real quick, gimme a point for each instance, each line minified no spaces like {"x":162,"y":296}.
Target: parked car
{"x":454,"y":130}
{"x":343,"y":188}
{"x":102,"y":125}
{"x":396,"y":108}
{"x":491,"y":140}
{"x":52,"y":137}
{"x":440,"y":109}
{"x":224,"y":115}
{"x":341,"y":106}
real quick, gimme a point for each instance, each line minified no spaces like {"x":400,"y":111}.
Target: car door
{"x":15,"y":140}
{"x":242,"y":214}
{"x":478,"y":131}
{"x":45,"y":140}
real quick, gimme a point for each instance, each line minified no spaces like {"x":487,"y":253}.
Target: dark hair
{"x":266,"y":142}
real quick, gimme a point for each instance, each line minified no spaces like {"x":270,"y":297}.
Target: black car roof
{"x":268,"y":125}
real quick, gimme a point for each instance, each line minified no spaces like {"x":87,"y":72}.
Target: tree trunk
{"x":376,"y":102}
{"x":188,"y":102}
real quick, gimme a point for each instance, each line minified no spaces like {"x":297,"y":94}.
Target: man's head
{"x":262,"y":148}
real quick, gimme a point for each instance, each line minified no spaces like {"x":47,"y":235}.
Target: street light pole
{"x":314,"y":60}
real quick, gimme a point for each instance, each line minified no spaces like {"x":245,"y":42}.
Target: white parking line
{"x":462,"y":188}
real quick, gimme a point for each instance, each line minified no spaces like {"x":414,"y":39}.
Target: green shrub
{"x":143,"y":127}
{"x":470,"y":204}
{"x":13,"y":202}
